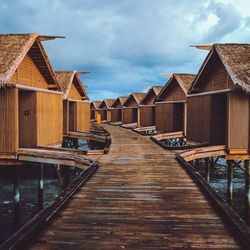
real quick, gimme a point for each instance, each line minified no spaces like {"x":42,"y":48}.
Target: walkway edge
{"x":20,"y":238}
{"x":238,"y":225}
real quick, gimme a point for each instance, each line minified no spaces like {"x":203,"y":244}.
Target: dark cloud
{"x":126,"y":45}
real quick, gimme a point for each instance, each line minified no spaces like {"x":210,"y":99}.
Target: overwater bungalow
{"x":31,"y":100}
{"x":218,"y":102}
{"x":105,"y":108}
{"x":171,"y":104}
{"x":76,"y":106}
{"x":131,"y":110}
{"x":147,"y":107}
{"x":116,"y":110}
{"x":94,"y":109}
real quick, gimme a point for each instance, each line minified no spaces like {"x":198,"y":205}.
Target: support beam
{"x":16,"y":197}
{"x":230,"y":181}
{"x":247,"y":191}
{"x":66,"y":176}
{"x":40,"y":187}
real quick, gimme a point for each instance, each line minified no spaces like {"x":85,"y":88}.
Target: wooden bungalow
{"x":94,"y":109}
{"x":105,"y":109}
{"x":76,"y":106}
{"x":30,"y":98}
{"x":147,"y":107}
{"x":171,"y":115}
{"x":218,"y":102}
{"x":131,"y":109}
{"x":116,"y":110}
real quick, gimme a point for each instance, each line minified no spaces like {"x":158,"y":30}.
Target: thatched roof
{"x":13,"y":49}
{"x":96,"y":104}
{"x":121,"y":100}
{"x":66,"y":79}
{"x":184,"y":80}
{"x":236,"y":59}
{"x":107,"y":103}
{"x":155,"y":90}
{"x":136,"y":96}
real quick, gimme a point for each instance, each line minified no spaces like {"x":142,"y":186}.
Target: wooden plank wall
{"x":65,"y":117}
{"x":147,"y":116}
{"x":8,"y":120}
{"x":108,"y":115}
{"x":28,"y":74}
{"x":72,"y":116}
{"x":215,"y":77}
{"x":49,"y":118}
{"x":127,"y":115}
{"x":74,"y":93}
{"x":82,"y":116}
{"x":199,"y":118}
{"x":27,"y":119}
{"x":116,"y":115}
{"x":238,"y":121}
{"x":164,"y":117}
{"x":174,"y":92}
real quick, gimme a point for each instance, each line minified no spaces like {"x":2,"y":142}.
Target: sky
{"x":128,"y":45}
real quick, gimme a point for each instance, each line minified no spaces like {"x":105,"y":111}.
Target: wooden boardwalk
{"x":140,"y":198}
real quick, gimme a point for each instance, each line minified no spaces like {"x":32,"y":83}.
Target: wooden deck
{"x":140,"y":198}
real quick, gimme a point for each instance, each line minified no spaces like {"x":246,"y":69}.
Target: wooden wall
{"x":27,"y":119}
{"x":92,"y":114}
{"x":214,"y":77}
{"x":28,"y":74}
{"x":129,"y":115}
{"x":74,"y":93}
{"x":147,"y":116}
{"x":164,"y":117}
{"x":199,"y":119}
{"x":8,"y":120}
{"x":108,"y":115}
{"x":173,"y":92}
{"x":82,"y":116}
{"x":116,"y":115}
{"x":49,"y":118}
{"x":65,"y":117}
{"x":238,"y":121}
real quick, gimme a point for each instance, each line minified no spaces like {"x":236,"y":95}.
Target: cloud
{"x":126,"y":45}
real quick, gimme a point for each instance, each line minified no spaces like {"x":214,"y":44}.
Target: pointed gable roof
{"x":235,"y":58}
{"x":107,"y":103}
{"x":119,"y":100}
{"x":95,"y":104}
{"x":66,"y":79}
{"x":154,"y":90}
{"x":185,"y":81}
{"x":13,"y":49}
{"x":137,"y":97}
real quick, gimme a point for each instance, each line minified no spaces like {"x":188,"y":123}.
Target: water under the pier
{"x":28,"y":184}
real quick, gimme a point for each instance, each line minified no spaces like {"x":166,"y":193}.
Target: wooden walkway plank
{"x":140,"y":198}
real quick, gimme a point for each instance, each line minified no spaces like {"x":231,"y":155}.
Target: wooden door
{"x":27,"y":119}
{"x":72,"y":116}
{"x":178,"y":118}
{"x":134,"y":115}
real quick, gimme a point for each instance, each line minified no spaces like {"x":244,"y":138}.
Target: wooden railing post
{"x":230,"y":181}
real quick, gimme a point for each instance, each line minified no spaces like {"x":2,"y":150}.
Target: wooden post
{"x":207,"y":172}
{"x":16,"y":197}
{"x":40,"y":187}
{"x":229,"y":181}
{"x":247,"y":191}
{"x":66,"y":176}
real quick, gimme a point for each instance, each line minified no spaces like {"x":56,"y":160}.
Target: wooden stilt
{"x":247,"y":191}
{"x":66,"y":176}
{"x":229,"y":181}
{"x":16,"y":197}
{"x":207,"y":172}
{"x":40,"y":187}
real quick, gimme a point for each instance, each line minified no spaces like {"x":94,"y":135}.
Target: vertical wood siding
{"x":129,"y":115}
{"x":82,"y":116}
{"x":164,"y":117}
{"x":49,"y":118}
{"x":27,"y":119}
{"x":238,"y":121}
{"x":74,"y":93}
{"x":65,"y":117}
{"x":28,"y":74}
{"x":116,"y":115}
{"x":8,"y":120}
{"x":147,"y":116}
{"x":199,"y":118}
